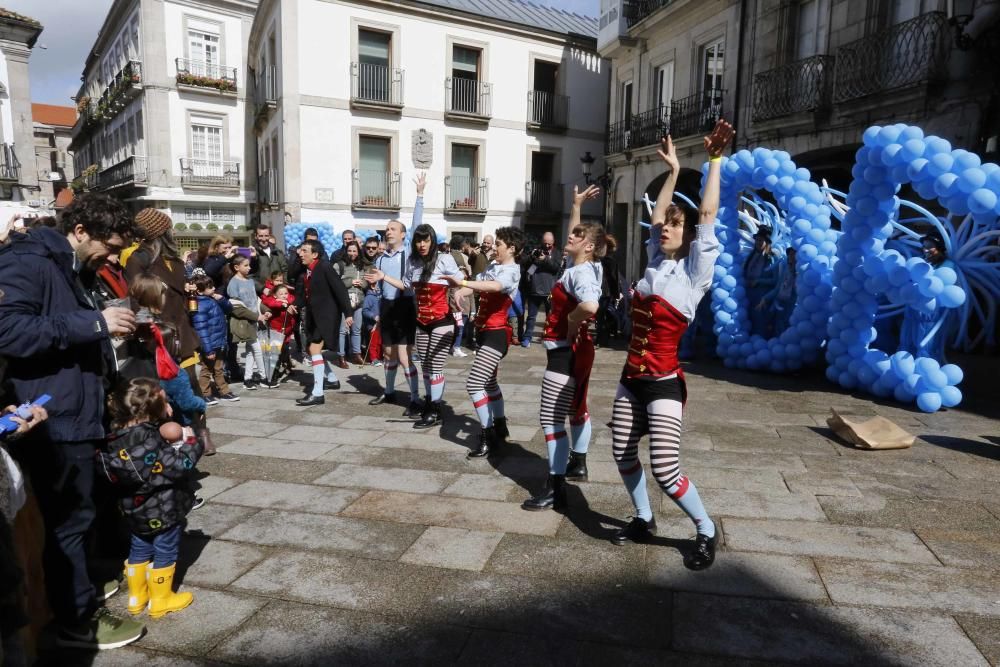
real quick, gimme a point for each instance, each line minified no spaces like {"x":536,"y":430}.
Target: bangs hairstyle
{"x":139,"y":399}
{"x":425,"y":233}
{"x":682,"y":215}
{"x":511,"y":236}
{"x":147,"y":291}
{"x":203,"y":283}
{"x":593,"y":232}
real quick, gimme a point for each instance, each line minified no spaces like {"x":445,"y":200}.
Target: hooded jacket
{"x":55,"y":339}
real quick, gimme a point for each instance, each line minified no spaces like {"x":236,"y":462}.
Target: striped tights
{"x":433,"y":347}
{"x":482,"y":386}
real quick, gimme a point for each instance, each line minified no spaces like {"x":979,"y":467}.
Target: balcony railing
{"x":267,"y":187}
{"x":547,"y":109}
{"x":210,"y":173}
{"x":911,"y":52}
{"x":130,"y":171}
{"x":200,"y":74}
{"x":375,"y":189}
{"x":619,"y":137}
{"x":10,"y":167}
{"x":804,"y":85}
{"x":465,"y":194}
{"x":637,"y":10}
{"x":468,"y":97}
{"x":265,"y":90}
{"x":124,"y":87}
{"x":696,"y":113}
{"x":543,"y":197}
{"x":650,"y":126}
{"x":376,"y":85}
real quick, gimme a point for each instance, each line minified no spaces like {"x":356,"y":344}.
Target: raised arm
{"x":592,"y":192}
{"x":715,"y":144}
{"x":668,"y":154}
{"x":418,"y":207}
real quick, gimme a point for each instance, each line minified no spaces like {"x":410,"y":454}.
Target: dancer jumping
{"x":682,"y":250}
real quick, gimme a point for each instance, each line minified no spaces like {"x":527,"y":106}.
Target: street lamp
{"x":960,"y":14}
{"x":587,"y":164}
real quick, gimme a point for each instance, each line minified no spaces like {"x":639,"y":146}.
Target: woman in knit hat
{"x":157,"y":254}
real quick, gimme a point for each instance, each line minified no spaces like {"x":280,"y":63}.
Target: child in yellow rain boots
{"x":149,"y":462}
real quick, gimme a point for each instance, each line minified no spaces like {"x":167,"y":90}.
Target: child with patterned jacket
{"x":149,"y":461}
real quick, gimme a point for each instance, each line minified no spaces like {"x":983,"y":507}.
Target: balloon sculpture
{"x":295,"y":234}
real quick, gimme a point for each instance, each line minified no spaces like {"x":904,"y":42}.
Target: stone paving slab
{"x":244,"y":426}
{"x":483,"y":515}
{"x":129,"y":656}
{"x":909,"y":513}
{"x":915,"y":586}
{"x":421,"y":440}
{"x":213,"y":520}
{"x":294,"y":497}
{"x":388,"y":479}
{"x":768,"y":482}
{"x":963,"y":548}
{"x":741,"y":575}
{"x":984,"y":631}
{"x":572,"y":561}
{"x":214,"y":562}
{"x":723,"y":502}
{"x":285,"y":449}
{"x":821,"y":484}
{"x":452,"y":548}
{"x":323,"y":434}
{"x":736,"y":461}
{"x":275,"y":469}
{"x":804,"y":633}
{"x":374,"y":539}
{"x":484,"y":487}
{"x":806,"y":538}
{"x":209,"y":486}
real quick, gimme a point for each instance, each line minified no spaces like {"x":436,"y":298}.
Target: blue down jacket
{"x":210,"y":323}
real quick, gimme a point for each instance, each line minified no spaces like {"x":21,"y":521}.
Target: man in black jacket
{"x":57,"y":342}
{"x":267,"y":260}
{"x":540,"y":271}
{"x":325,"y":298}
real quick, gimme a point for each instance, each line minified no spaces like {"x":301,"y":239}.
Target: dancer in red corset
{"x":682,"y":250}
{"x":570,"y":354}
{"x":493,"y":333}
{"x":426,"y":272}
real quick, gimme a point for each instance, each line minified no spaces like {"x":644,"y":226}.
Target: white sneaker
{"x":457,"y":352}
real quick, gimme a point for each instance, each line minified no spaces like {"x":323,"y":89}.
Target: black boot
{"x":500,"y":427}
{"x":553,"y":498}
{"x":486,"y":438}
{"x":416,"y":409}
{"x":577,"y":468}
{"x":704,"y":552}
{"x":431,"y":416}
{"x":638,"y":531}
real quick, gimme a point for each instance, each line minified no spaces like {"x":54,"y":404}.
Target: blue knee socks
{"x":411,"y":377}
{"x":481,"y":402}
{"x":580,"y":435}
{"x":558,"y":444}
{"x":318,"y":369}
{"x":684,"y":493}
{"x":390,"y":377}
{"x":436,"y":387}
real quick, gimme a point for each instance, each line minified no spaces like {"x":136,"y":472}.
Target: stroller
{"x":272,"y":343}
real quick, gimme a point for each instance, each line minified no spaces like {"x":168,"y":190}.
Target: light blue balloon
{"x":929,"y":401}
{"x":953,"y":373}
{"x":952,"y":296}
{"x":950,"y":396}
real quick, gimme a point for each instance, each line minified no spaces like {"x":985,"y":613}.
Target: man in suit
{"x":325,"y":298}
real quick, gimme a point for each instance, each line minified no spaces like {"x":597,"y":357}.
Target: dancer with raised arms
{"x":682,"y":250}
{"x":497,"y":285}
{"x":570,"y":354}
{"x":426,"y":273}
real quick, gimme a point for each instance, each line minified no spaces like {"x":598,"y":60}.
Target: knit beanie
{"x":152,"y":223}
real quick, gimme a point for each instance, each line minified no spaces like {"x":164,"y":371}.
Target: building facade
{"x":18,"y":180}
{"x":53,"y":128}
{"x":496,"y":102}
{"x":162,"y":112}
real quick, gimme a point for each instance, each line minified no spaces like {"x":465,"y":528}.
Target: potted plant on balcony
{"x":372,"y":200}
{"x":79,"y":184}
{"x":212,"y":227}
{"x":180,"y":226}
{"x":195,"y":227}
{"x":83,"y":105}
{"x":465,"y":203}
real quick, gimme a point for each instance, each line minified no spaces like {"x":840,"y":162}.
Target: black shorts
{"x":560,"y":360}
{"x":313,"y":334}
{"x":398,"y":321}
{"x":498,"y":339}
{"x":649,"y":390}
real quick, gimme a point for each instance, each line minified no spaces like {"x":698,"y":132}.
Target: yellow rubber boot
{"x":162,"y":599}
{"x":138,"y":586}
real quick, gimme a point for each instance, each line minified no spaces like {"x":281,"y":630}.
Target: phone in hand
{"x":245,"y":252}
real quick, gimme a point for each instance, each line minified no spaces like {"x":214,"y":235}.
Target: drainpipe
{"x":739,"y":73}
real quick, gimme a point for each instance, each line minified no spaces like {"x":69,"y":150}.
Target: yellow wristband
{"x":715,"y":159}
{"x":463,"y":282}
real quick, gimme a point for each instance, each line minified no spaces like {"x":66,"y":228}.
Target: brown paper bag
{"x":876,"y":433}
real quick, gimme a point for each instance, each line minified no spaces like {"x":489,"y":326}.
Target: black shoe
{"x":704,"y":552}
{"x":577,"y":468}
{"x":229,"y":396}
{"x":431,"y":416}
{"x":383,"y":398}
{"x":487,"y":436}
{"x":500,"y":427}
{"x":310,"y":400}
{"x":334,"y":386}
{"x":415,"y":410}
{"x":553,"y":498}
{"x":211,"y":400}
{"x":638,"y":530}
{"x":250,"y":385}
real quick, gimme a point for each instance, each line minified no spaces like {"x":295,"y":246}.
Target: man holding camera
{"x":480,"y":256}
{"x":541,"y":272}
{"x":267,"y":259}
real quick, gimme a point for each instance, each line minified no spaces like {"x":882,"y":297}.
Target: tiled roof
{"x":526,"y":13}
{"x":50,"y":114}
{"x":7,"y":14}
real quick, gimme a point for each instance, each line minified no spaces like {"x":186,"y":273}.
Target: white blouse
{"x":508,"y":275}
{"x":445,"y":266}
{"x":682,"y":283}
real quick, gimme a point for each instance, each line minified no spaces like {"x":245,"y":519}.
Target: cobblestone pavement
{"x":338,"y":535}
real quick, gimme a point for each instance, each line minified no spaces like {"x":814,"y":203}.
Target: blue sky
{"x":71,"y":27}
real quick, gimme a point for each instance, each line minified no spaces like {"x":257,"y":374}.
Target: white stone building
{"x":162,"y":115}
{"x":496,"y":101}
{"x":53,"y":165}
{"x":18,"y":180}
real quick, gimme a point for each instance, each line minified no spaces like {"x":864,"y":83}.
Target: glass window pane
{"x":373,"y":153}
{"x":465,"y":60}
{"x":373,"y":47}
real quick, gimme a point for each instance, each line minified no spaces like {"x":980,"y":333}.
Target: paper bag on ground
{"x":875,"y":433}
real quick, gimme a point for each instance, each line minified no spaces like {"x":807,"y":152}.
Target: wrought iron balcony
{"x":466,"y":195}
{"x":696,"y":113}
{"x":375,"y":189}
{"x":265,"y":90}
{"x":911,"y":52}
{"x":619,"y":137}
{"x":542,"y":197}
{"x":637,"y":10}
{"x":198,"y":74}
{"x":267,"y":188}
{"x":218,"y":174}
{"x":547,"y":110}
{"x":10,"y":167}
{"x":376,"y":85}
{"x":131,"y":171}
{"x":123,"y":88}
{"x":804,"y":85}
{"x":650,"y":126}
{"x":468,"y":99}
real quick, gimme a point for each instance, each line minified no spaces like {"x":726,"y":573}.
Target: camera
{"x":537,"y":253}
